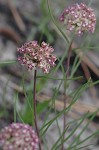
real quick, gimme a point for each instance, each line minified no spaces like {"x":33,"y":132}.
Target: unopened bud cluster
{"x":18,"y":136}
{"x":35,"y":56}
{"x":80,"y":18}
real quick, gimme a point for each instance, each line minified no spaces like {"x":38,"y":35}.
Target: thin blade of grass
{"x":9,"y":62}
{"x":89,"y":137}
{"x":53,"y":99}
{"x":82,"y":147}
{"x":52,"y":17}
{"x":15,"y":111}
{"x":84,"y":128}
{"x":76,"y":78}
{"x":59,"y":139}
{"x":73,"y":131}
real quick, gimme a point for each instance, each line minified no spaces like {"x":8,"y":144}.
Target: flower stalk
{"x":34,"y":106}
{"x":79,"y":19}
{"x":36,"y":56}
{"x":65,"y":86}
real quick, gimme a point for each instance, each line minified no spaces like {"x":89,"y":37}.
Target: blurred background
{"x":25,"y":20}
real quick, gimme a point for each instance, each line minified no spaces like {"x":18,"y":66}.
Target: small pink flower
{"x":35,"y":56}
{"x":79,"y":17}
{"x":18,"y":136}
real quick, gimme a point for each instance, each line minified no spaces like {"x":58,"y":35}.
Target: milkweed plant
{"x":77,"y":19}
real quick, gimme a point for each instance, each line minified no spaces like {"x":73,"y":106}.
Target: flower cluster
{"x":37,"y":56}
{"x":18,"y":136}
{"x":79,"y":17}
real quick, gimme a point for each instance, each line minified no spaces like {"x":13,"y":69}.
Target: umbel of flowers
{"x":80,"y":18}
{"x":36,"y":56}
{"x":18,"y":136}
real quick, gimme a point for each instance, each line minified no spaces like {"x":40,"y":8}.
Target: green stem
{"x":34,"y":105}
{"x":65,"y":95}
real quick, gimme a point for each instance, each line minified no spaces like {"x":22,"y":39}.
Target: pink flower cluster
{"x":79,"y":17}
{"x":37,"y":56}
{"x":18,"y":136}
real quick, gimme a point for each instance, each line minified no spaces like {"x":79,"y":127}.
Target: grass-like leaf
{"x":6,"y":63}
